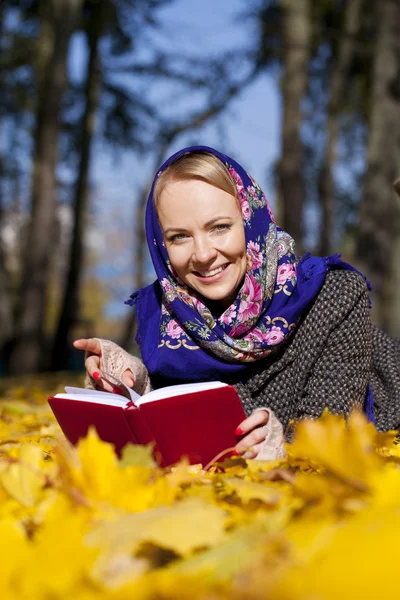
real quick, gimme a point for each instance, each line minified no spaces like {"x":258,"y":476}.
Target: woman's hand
{"x":254,"y":428}
{"x":93,"y":365}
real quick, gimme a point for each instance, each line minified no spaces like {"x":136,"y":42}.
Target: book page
{"x":178,"y":390}
{"x":87,"y":395}
{"x":101,"y":397}
{"x":84,"y":395}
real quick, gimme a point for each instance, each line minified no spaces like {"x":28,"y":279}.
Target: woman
{"x":232,"y":302}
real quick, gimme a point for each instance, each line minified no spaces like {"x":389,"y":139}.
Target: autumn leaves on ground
{"x":79,"y":523}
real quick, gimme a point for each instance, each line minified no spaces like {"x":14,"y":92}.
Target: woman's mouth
{"x":213,"y":274}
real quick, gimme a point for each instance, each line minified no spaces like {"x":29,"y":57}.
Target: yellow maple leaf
{"x":217,"y":565}
{"x":134,"y":455}
{"x":59,"y":561}
{"x":23,"y":480}
{"x":98,"y":466}
{"x":182,"y":527}
{"x":251,"y":490}
{"x":345,"y":449}
{"x":14,"y":548}
{"x":358,"y":560}
{"x":385,"y":486}
{"x":92,"y":475}
{"x":387,"y":443}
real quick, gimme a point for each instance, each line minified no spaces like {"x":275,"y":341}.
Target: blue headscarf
{"x":182,"y":341}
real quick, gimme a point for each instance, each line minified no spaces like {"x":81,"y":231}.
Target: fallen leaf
{"x":23,"y":479}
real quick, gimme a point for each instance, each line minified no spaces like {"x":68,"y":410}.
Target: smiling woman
{"x":233,"y":302}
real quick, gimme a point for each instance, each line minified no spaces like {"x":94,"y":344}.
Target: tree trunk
{"x":296,"y":41}
{"x":129,"y":330}
{"x":380,"y":209}
{"x":53,"y":48}
{"x":6,"y":307}
{"x":338,"y":82}
{"x":391,"y":312}
{"x":70,"y":304}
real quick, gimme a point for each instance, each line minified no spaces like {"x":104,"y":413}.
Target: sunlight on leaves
{"x":81,"y":523}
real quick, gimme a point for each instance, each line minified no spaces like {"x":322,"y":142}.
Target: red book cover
{"x":75,"y":418}
{"x":196,"y":424}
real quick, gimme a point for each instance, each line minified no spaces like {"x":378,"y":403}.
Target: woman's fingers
{"x":253,"y":431}
{"x":253,"y":452}
{"x":92,"y":364}
{"x":128,"y":378}
{"x":259,"y":417}
{"x":249,"y":441}
{"x":89,"y":345}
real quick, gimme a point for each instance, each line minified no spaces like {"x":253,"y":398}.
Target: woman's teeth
{"x":212,"y":272}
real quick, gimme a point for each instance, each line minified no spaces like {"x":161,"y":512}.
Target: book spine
{"x":142,"y":431}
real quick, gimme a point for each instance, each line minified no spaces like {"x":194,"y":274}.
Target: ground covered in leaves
{"x":81,"y":524}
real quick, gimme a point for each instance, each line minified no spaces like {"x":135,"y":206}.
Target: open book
{"x":196,"y":420}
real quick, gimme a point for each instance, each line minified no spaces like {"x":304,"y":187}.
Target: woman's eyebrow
{"x":174,"y":229}
{"x":215,"y":219}
{"x":207,"y":224}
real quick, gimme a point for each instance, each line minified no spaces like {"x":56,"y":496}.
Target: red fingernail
{"x":239,"y":431}
{"x":96,"y":375}
{"x":235,"y":453}
{"x":116,"y":390}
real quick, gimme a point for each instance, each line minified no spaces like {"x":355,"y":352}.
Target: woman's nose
{"x":203,"y":252}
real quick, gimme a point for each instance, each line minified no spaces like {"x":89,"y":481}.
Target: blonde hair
{"x":196,"y":165}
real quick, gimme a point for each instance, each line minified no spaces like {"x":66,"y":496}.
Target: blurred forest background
{"x":336,"y":67}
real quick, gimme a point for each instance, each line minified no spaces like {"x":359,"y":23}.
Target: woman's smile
{"x":204,"y":237}
{"x":212,"y":275}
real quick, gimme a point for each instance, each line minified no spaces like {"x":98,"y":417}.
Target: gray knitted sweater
{"x":333,"y":355}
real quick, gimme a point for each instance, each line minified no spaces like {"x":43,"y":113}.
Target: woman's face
{"x":204,"y":237}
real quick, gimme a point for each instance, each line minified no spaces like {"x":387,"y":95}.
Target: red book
{"x":196,"y":420}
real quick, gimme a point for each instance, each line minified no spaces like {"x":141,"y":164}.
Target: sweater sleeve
{"x":340,"y":375}
{"x":272,"y":448}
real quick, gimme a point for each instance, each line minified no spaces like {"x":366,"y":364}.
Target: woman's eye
{"x":177,"y":237}
{"x":222,"y":227}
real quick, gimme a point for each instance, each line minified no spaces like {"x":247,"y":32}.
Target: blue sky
{"x":251,"y":131}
